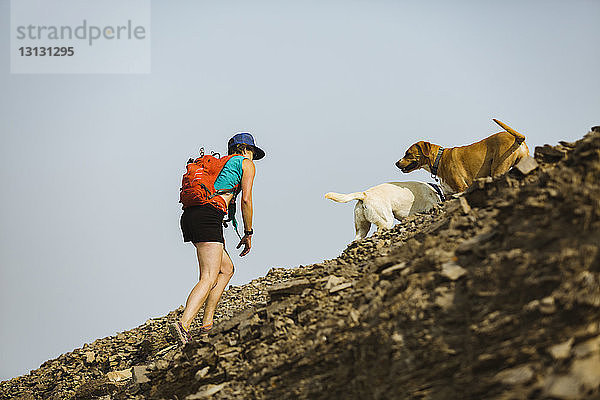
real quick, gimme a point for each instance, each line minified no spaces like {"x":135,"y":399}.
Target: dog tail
{"x":520,"y":137}
{"x":344,"y":198}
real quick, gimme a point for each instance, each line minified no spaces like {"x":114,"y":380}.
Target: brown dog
{"x":457,"y":167}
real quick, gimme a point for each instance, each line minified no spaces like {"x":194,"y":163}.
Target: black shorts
{"x":202,"y":224}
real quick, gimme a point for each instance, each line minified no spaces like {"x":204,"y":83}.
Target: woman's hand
{"x":247,"y":242}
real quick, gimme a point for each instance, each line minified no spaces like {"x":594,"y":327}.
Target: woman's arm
{"x":248,"y":172}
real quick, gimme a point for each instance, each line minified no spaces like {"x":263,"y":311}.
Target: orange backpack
{"x":197,"y":184}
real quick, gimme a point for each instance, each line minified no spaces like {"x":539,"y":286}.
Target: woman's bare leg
{"x":210,"y":255}
{"x":225,"y":274}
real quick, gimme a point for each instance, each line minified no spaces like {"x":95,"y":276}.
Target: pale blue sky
{"x":334,"y":91}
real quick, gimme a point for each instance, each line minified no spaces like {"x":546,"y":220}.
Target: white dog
{"x":380,"y":204}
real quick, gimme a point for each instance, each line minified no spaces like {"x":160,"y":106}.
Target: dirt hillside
{"x":493,"y":295}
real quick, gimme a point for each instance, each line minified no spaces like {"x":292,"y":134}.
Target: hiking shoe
{"x":179,"y":333}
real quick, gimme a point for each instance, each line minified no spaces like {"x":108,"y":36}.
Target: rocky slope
{"x":493,"y":295}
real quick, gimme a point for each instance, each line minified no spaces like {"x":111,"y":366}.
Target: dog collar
{"x":436,"y":163}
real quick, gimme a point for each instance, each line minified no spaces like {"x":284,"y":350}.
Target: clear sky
{"x":333,"y":91}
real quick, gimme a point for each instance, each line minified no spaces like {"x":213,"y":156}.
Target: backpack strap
{"x":231,"y":210}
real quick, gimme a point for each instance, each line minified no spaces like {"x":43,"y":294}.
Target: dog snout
{"x":398,"y":163}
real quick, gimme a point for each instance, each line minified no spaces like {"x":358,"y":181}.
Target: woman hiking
{"x":202,"y":225}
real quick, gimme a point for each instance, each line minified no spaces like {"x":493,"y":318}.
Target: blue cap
{"x":246,"y":138}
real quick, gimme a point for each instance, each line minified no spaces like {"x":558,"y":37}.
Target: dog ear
{"x":425,"y":148}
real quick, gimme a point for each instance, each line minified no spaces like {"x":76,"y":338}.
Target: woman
{"x":203,"y":226}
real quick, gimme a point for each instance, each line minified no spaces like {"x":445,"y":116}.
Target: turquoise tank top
{"x":231,"y":174}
